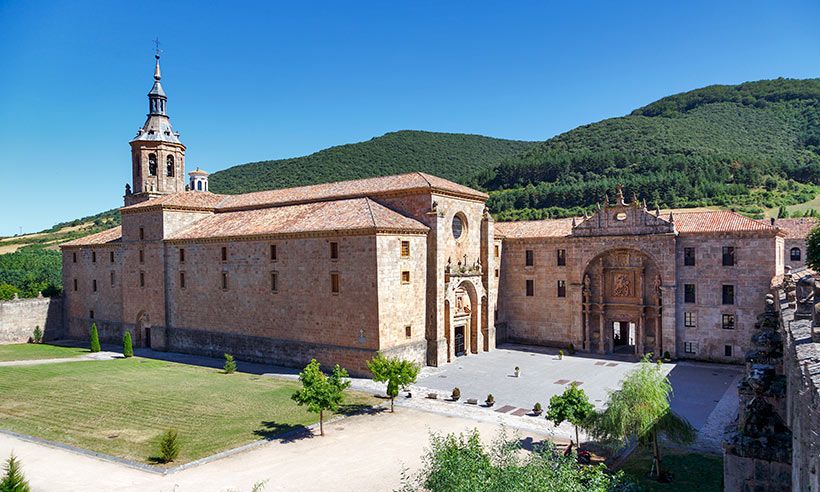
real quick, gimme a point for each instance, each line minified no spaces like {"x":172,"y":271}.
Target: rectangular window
{"x":728,"y":256}
{"x":224,"y":253}
{"x":272,"y":252}
{"x":530,"y":288}
{"x":274,"y":281}
{"x":727,"y":350}
{"x":224,"y":280}
{"x":334,"y":283}
{"x":334,"y":250}
{"x":562,"y":288}
{"x":405,"y":249}
{"x":496,"y":273}
{"x":728,"y":294}
{"x":728,"y":322}
{"x":142,"y":233}
{"x":405,"y":276}
{"x":181,"y":280}
{"x":689,"y":319}
{"x":690,"y":347}
{"x":91,"y":314}
{"x":75,"y":284}
{"x":74,"y":256}
{"x":94,"y":285}
{"x":142,"y":279}
{"x":496,"y":251}
{"x":561,"y":257}
{"x":182,"y":255}
{"x":688,"y":256}
{"x":689,"y":293}
{"x":408,"y":331}
{"x":93,"y":257}
{"x":111,"y":255}
{"x":142,"y":256}
{"x":528,"y":258}
{"x":112,"y":278}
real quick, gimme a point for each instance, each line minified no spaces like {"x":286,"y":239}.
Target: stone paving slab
{"x":505,"y":409}
{"x":521,"y":412}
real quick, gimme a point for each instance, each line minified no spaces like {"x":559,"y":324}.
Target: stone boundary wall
{"x":19,"y":317}
{"x":108,"y":331}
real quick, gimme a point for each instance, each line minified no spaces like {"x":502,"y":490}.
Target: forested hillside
{"x":453,"y":156}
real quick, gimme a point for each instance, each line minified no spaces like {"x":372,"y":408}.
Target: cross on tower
{"x":157,"y":51}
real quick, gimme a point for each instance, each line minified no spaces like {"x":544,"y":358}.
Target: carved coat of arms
{"x":621,"y":285}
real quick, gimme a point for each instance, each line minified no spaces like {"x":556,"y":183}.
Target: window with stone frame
{"x":112,"y":278}
{"x":181,"y":280}
{"x":75,"y":284}
{"x":94,"y":285}
{"x":142,"y":233}
{"x":334,"y":250}
{"x":405,"y":249}
{"x":689,"y":293}
{"x":91,"y":314}
{"x":727,"y":350}
{"x":727,"y":321}
{"x":562,"y":288}
{"x":529,"y":258}
{"x":273,"y":252}
{"x":530,"y":288}
{"x":182,"y":255}
{"x":689,"y":319}
{"x":142,"y":256}
{"x":142,"y":279}
{"x":405,"y":276}
{"x":729,"y":256}
{"x":334,"y":283}
{"x":794,"y":254}
{"x":688,"y":256}
{"x":274,"y":281}
{"x":496,"y":273}
{"x":111,"y":256}
{"x":224,"y":253}
{"x":690,"y":347}
{"x":74,"y":257}
{"x":496,"y":250}
{"x":224,"y":280}
{"x":408,"y":331}
{"x":728,"y":294}
{"x":561,"y":257}
{"x":93,"y":257}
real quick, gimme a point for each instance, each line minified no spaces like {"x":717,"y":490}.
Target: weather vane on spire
{"x":157,"y":51}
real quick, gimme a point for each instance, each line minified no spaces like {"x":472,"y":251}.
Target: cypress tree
{"x":13,"y":479}
{"x":95,"y":338}
{"x":127,"y":347}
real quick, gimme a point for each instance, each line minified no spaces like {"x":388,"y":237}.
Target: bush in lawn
{"x":397,"y":373}
{"x":321,"y":392}
{"x":230,"y":364}
{"x":169,"y":446}
{"x":37,"y":336}
{"x":95,"y":338}
{"x":127,"y":346}
{"x":13,"y":480}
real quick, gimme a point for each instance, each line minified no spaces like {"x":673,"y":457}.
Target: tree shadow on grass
{"x":285,"y":433}
{"x":359,"y":409}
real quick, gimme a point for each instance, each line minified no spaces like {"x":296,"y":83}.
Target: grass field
{"x":121,"y":407}
{"x":690,"y":471}
{"x":34,"y":351}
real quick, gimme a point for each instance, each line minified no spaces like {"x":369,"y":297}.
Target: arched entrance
{"x":462,"y":318}
{"x":142,"y":330}
{"x":622,"y":303}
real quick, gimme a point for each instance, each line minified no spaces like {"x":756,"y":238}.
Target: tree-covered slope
{"x":458,"y":157}
{"x":753,"y":144}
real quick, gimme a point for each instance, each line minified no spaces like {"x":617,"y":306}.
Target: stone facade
{"x":19,"y":318}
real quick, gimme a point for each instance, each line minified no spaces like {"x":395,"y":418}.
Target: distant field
{"x":35,"y":351}
{"x":800,"y":207}
{"x":121,"y":407}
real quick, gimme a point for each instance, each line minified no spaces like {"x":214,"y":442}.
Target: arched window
{"x":199,"y":185}
{"x":152,"y":164}
{"x":794,"y":254}
{"x":169,"y":165}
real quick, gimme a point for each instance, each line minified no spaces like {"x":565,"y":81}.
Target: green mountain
{"x":454,"y":156}
{"x":749,"y":146}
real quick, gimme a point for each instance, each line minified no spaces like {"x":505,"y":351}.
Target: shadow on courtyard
{"x":285,"y":433}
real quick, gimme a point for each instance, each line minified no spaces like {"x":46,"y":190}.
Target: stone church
{"x":410,"y":265}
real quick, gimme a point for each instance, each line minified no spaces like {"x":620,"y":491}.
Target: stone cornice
{"x":301,"y":235}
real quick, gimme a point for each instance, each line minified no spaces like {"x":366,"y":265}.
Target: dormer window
{"x":152,"y":164}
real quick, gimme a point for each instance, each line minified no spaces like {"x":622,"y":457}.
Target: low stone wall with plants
{"x":20,"y":317}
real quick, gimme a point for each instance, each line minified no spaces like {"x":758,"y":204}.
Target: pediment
{"x":621,"y":218}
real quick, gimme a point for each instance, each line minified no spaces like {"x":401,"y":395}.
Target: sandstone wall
{"x":82,"y":304}
{"x":19,"y":318}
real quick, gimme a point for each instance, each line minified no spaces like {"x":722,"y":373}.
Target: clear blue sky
{"x":253,"y":81}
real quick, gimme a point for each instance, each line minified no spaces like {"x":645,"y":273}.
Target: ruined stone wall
{"x":19,"y":318}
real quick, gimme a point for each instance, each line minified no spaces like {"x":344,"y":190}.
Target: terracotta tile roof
{"x":113,"y":235}
{"x":349,"y":189}
{"x":360,"y":214}
{"x":185,"y":199}
{"x":718,"y":221}
{"x":535,"y":228}
{"x":795,"y":228}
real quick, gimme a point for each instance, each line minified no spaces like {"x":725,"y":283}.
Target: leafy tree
{"x":169,"y":446}
{"x":813,"y":249}
{"x":13,"y":479}
{"x":230,"y":364}
{"x":37,"y":336}
{"x":572,"y":406}
{"x":127,"y":346}
{"x":397,"y":373}
{"x":640,"y":409}
{"x":461,"y":462}
{"x":321,"y":392}
{"x":95,"y":338}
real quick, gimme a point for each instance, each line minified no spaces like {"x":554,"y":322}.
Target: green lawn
{"x":32,"y":351}
{"x":120,"y":407}
{"x":690,"y":471}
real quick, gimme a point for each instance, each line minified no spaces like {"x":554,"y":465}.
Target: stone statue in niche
{"x":463,"y":306}
{"x":656,"y":284}
{"x":621,"y":285}
{"x":587,"y":283}
{"x":127,"y":189}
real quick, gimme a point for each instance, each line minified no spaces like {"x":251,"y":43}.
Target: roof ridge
{"x":370,"y":211}
{"x":425,"y":178}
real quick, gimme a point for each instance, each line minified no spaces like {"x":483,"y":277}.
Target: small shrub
{"x":169,"y":446}
{"x":490,"y":399}
{"x":37,"y":336}
{"x":13,"y":479}
{"x":127,"y":346}
{"x":571,"y":349}
{"x":230,"y":364}
{"x":456,"y":393}
{"x":667,"y":356}
{"x":537,"y":408}
{"x":95,"y":338}
{"x":560,"y":354}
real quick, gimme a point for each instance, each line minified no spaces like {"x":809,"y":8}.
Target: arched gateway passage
{"x":464,"y":329}
{"x":622,"y":303}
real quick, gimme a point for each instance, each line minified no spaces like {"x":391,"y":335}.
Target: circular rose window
{"x":458,"y":226}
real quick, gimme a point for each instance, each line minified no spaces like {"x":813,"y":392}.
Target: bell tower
{"x":157,"y":155}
